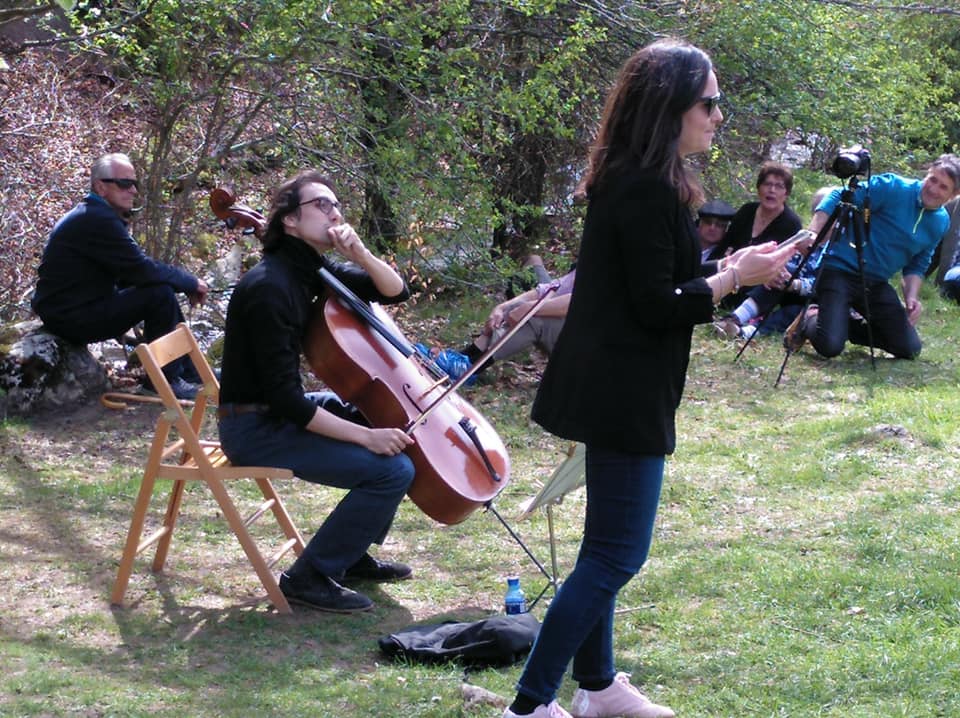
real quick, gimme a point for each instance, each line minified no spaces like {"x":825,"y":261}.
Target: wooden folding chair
{"x":186,"y":457}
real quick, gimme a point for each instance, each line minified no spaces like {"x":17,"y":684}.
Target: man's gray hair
{"x":951,"y":165}
{"x":103,"y":167}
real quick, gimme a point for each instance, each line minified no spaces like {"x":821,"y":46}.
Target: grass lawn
{"x":805,"y":561}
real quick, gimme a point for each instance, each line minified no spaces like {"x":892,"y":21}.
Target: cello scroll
{"x":223,"y":202}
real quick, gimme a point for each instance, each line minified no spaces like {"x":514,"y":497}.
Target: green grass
{"x":805,"y":561}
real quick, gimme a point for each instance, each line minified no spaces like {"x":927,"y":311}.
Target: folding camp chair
{"x":185,"y":457}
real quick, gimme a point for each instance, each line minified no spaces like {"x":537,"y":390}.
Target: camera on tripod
{"x":851,"y":161}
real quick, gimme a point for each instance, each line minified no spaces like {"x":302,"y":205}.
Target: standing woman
{"x":616,"y":375}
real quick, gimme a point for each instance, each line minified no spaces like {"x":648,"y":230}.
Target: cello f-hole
{"x":413,"y":400}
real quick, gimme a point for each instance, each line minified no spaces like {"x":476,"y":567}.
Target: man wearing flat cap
{"x":713,"y":218}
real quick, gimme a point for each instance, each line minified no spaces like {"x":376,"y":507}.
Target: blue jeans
{"x":623,"y":491}
{"x":776,"y":308}
{"x":950,"y":287}
{"x":376,"y":484}
{"x":837,"y":292}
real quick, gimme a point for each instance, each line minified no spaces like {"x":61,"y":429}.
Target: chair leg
{"x":169,"y":521}
{"x":131,"y":548}
{"x":235,"y":520}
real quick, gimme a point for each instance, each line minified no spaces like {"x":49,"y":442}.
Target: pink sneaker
{"x":618,"y":699}
{"x":549,"y":711}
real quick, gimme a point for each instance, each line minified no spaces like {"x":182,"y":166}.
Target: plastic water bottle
{"x":514,"y":601}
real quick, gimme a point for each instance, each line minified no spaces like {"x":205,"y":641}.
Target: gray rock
{"x":40,"y":371}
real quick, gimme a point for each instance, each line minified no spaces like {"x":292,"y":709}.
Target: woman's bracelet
{"x":736,"y":279}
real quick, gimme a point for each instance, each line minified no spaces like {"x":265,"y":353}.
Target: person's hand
{"x":732,"y":259}
{"x":914,"y":309}
{"x":346,"y":241}
{"x":496,"y":319}
{"x":780,"y":281}
{"x":199,"y":294}
{"x":760,"y":263}
{"x":387,"y":442}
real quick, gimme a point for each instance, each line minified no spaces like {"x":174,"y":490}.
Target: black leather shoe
{"x":370,"y":569}
{"x":323,"y":594}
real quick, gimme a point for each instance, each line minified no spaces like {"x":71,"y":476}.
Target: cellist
{"x":266,"y":419}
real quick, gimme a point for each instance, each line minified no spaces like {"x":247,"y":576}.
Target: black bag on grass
{"x":497,"y":640}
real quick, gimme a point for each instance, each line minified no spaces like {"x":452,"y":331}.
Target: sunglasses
{"x":711,"y":103}
{"x":714,"y":221}
{"x":323,"y":204}
{"x":122,"y":183}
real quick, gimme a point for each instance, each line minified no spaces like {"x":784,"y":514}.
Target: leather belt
{"x":225,"y":410}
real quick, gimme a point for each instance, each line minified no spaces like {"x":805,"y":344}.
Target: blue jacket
{"x":903,"y":234}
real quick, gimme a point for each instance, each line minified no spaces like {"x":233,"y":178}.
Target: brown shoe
{"x":800,"y":329}
{"x":727,"y":328}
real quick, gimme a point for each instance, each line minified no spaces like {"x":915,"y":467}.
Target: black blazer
{"x":616,"y":375}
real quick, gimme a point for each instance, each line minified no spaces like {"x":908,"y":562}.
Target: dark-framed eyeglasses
{"x":711,"y":103}
{"x":122,"y":182}
{"x":324,"y":204}
{"x":773,"y":184}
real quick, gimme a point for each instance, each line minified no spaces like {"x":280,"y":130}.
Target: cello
{"x":357,"y":350}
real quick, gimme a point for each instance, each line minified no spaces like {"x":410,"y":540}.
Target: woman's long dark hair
{"x":643,"y":116}
{"x":286,"y":200}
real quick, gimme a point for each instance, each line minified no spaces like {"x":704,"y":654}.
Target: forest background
{"x":456,"y":130}
{"x":805,"y":562}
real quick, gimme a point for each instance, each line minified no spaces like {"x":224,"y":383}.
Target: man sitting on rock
{"x":94,"y":281}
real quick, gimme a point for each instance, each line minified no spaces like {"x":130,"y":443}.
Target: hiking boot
{"x":618,"y":699}
{"x":800,"y":329}
{"x":727,"y":328}
{"x":370,"y":569}
{"x":183,"y":389}
{"x":314,"y":590}
{"x":549,"y":711}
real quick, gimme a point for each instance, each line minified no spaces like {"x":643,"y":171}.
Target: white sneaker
{"x":618,"y":699}
{"x":553,"y":710}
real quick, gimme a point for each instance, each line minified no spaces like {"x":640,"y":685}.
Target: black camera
{"x":851,"y":161}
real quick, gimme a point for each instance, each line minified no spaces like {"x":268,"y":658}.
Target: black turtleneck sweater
{"x":267,"y":319}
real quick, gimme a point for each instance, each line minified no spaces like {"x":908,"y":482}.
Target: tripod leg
{"x":827,"y":233}
{"x":551,"y":579}
{"x":858,"y":232}
{"x":824,"y":233}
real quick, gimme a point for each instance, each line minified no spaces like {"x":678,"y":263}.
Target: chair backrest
{"x":157,"y":354}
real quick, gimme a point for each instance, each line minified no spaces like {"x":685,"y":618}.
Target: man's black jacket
{"x":89,"y":255}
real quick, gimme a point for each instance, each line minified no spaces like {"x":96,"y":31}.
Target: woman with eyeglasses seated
{"x":266,"y":419}
{"x":768,"y":219}
{"x":95,"y":283}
